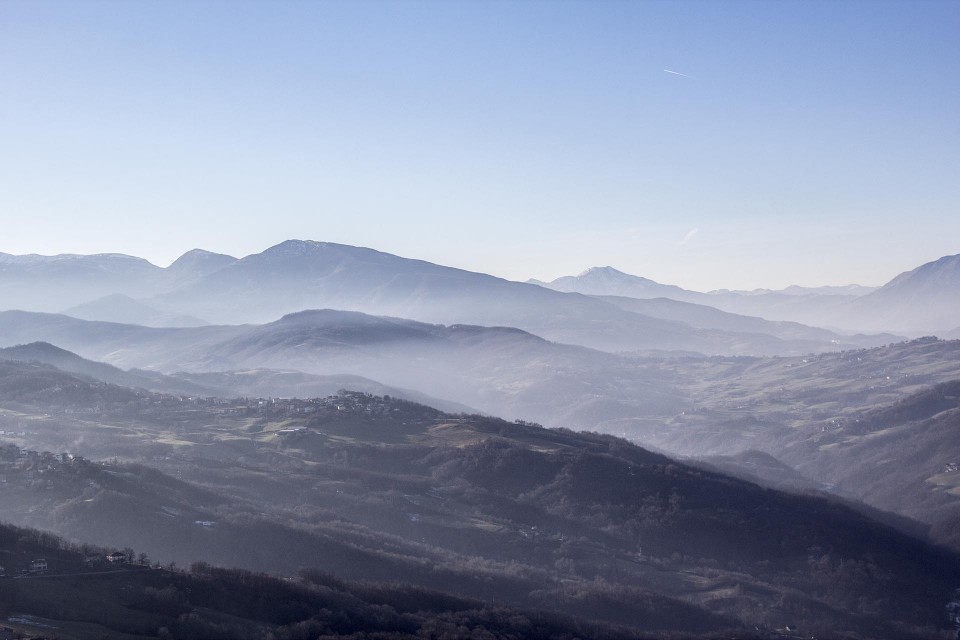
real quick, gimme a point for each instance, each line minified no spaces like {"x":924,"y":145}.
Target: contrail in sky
{"x":689,"y":235}
{"x":677,"y":73}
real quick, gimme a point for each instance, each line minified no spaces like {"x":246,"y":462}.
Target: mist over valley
{"x":403,"y":320}
{"x":698,"y":469}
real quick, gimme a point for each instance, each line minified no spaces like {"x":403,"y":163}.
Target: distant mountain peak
{"x":608,"y":270}
{"x":313,"y":250}
{"x":298,"y":247}
{"x":610,"y":281}
{"x":194,"y":254}
{"x":34,"y":349}
{"x":612,"y":274}
{"x":196,"y":257}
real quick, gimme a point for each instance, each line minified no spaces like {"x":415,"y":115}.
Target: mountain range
{"x":617,"y":283}
{"x":236,"y":395}
{"x":203,"y":287}
{"x":227,"y":384}
{"x":923,"y":301}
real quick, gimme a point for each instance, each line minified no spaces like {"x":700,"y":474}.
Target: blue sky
{"x":808,"y":143}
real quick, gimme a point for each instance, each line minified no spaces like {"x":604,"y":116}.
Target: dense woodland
{"x":133,"y":600}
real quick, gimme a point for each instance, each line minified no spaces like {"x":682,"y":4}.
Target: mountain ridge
{"x":923,"y":300}
{"x":118,"y":307}
{"x":919,"y":301}
{"x":299,"y":274}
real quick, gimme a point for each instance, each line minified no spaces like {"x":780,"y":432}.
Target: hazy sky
{"x":807,"y":142}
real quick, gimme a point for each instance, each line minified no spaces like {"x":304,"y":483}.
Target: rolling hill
{"x":877,"y":425}
{"x":702,"y":316}
{"x":250,"y":382}
{"x":82,"y":597}
{"x":376,"y":488}
{"x":123,"y":309}
{"x":690,"y":405}
{"x":502,"y":371}
{"x":46,"y":353}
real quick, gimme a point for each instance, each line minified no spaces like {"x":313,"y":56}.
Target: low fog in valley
{"x":488,"y":320}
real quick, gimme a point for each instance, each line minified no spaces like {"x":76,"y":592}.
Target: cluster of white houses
{"x":40,"y":565}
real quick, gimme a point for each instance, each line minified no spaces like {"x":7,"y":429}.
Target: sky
{"x":704,"y":144}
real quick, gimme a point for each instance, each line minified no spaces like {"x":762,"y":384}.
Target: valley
{"x":483,"y":320}
{"x":366,"y":447}
{"x":367,"y":487}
